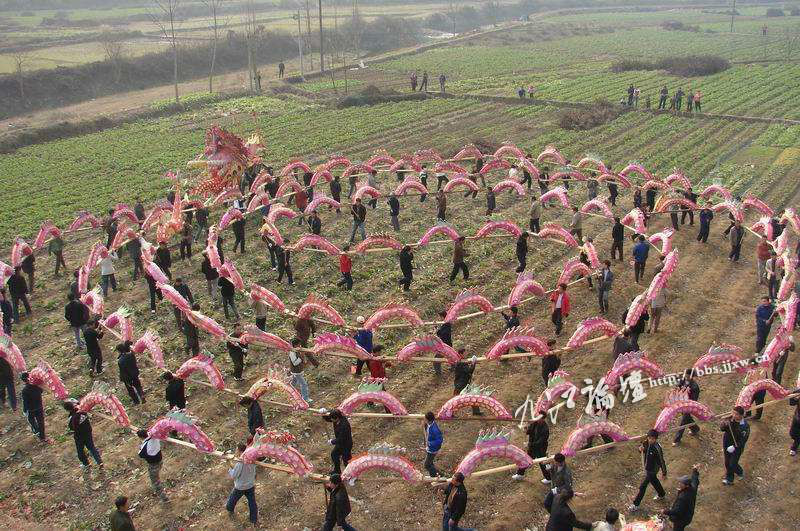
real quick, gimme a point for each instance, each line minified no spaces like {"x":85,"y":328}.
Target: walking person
{"x":359,"y":213}
{"x":163,"y":259}
{"x":81,"y":429}
{"x":191,"y":334}
{"x":773,"y":275}
{"x":56,"y":248}
{"x":134,"y":248}
{"x":244,"y":484}
{"x":780,"y":363}
{"x":211,"y":275}
{"x":255,"y":417}
{"x":662,"y":98}
{"x":184,"y":291}
{"x":462,"y":376}
{"x":455,"y":504}
{"x":175,"y":392}
{"x":491,"y":201}
{"x":433,"y":443}
{"x":689,"y":384}
{"x":686,"y":211}
{"x":560,"y":477}
{"x":657,"y":307}
{"x":535,"y":213}
{"x":559,"y":307}
{"x":441,"y":206}
{"x":155,"y":293}
{"x":228,"y":292}
{"x":8,"y":312}
{"x":763,"y":253}
{"x":77,"y":315}
{"x":423,"y":87}
{"x":640,"y":252}
{"x":342,"y":440}
{"x":442,"y":80}
{"x":794,"y":428}
{"x":522,"y":251}
{"x":18,"y":289}
{"x":150,"y":451}
{"x":186,"y":241}
{"x":765,"y":315}
{"x":576,"y":224}
{"x":637,"y":329}
{"x":652,"y":461}
{"x":336,"y":191}
{"x":337,"y":504}
{"x":538,"y":435}
{"x":28,"y":266}
{"x":735,"y":432}
{"x":394,"y":212}
{"x":297,"y":364}
{"x":618,"y":237}
{"x":706,"y":215}
{"x":406,"y":267}
{"x":7,"y":385}
{"x":237,"y":351}
{"x":445,"y":333}
{"x":736,"y":237}
{"x":107,"y":273}
{"x":238,"y":227}
{"x":201,"y":227}
{"x":33,"y":407}
{"x":682,"y":511}
{"x":121,"y":519}
{"x":459,"y":255}
{"x":561,"y":515}
{"x":92,"y":335}
{"x":604,"y":285}
{"x":345,"y":268}
{"x":363,"y":337}
{"x":129,"y":373}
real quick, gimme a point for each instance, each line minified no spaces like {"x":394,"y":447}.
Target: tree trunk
{"x":175,"y":69}
{"x":213,"y":61}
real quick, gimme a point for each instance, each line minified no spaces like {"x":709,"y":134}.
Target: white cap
{"x":360,"y":319}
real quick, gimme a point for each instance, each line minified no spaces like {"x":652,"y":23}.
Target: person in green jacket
{"x":120,"y":519}
{"x":56,"y":248}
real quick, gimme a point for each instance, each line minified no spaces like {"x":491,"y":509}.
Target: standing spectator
{"x":689,"y":384}
{"x":442,"y":80}
{"x":455,"y":503}
{"x":186,"y":293}
{"x":706,"y":215}
{"x":640,"y":251}
{"x":134,"y":248}
{"x":662,"y":98}
{"x":459,"y":254}
{"x":538,"y":435}
{"x":441,"y":206}
{"x":281,"y":69}
{"x":237,"y":351}
{"x":604,"y":285}
{"x":689,"y":100}
{"x":559,"y":308}
{"x":129,"y":373}
{"x":413,"y":79}
{"x":423,"y":87}
{"x":107,"y":273}
{"x":244,"y":484}
{"x":186,"y":241}
{"x":190,"y":332}
{"x":433,"y":443}
{"x":211,"y":275}
{"x":636,"y":93}
{"x":698,"y":96}
{"x":77,"y":315}
{"x":535,"y":214}
{"x":33,"y":407}
{"x":618,"y":236}
{"x":120,"y":519}
{"x":342,"y":441}
{"x":735,"y":432}
{"x":345,"y":268}
{"x":631,"y":92}
{"x":682,"y":511}
{"x":92,"y":335}
{"x":228,"y":291}
{"x":394,"y":212}
{"x":679,"y":99}
{"x":406,"y":267}
{"x":337,"y":506}
{"x":56,"y":248}
{"x":18,"y":289}
{"x":163,"y":259}
{"x":81,"y":430}
{"x":8,"y":312}
{"x":522,"y":251}
{"x":359,"y":212}
{"x":652,"y":461}
{"x":175,"y":392}
{"x":255,"y":417}
{"x":150,"y":451}
{"x":764,"y":317}
{"x":7,"y":385}
{"x":762,"y":255}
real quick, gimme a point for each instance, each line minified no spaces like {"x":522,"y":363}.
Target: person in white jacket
{"x":609,"y":524}
{"x":244,"y":484}
{"x":107,"y":272}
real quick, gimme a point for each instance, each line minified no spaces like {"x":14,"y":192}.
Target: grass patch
{"x":688,"y":66}
{"x":584,"y":118}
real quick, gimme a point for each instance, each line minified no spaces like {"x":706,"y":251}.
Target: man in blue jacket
{"x":764,"y":317}
{"x":433,"y":443}
{"x":640,"y":251}
{"x":364,"y":339}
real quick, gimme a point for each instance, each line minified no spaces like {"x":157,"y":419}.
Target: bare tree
{"x":251,"y":31}
{"x":357,"y":29}
{"x":308,"y":35}
{"x":114,"y":49}
{"x":166,"y":18}
{"x":20,"y":61}
{"x":214,"y":8}
{"x":791,"y":42}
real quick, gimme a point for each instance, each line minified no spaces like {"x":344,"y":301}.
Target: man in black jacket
{"x":445,"y":333}
{"x":688,"y":383}
{"x":337,"y":505}
{"x":550,"y":363}
{"x":175,"y":393}
{"x":33,"y":407}
{"x":538,"y":436}
{"x":394,"y":212}
{"x":283,"y":256}
{"x":237,"y":352}
{"x":406,"y":267}
{"x":7,"y":385}
{"x":129,"y":373}
{"x":462,"y":376}
{"x":92,"y":335}
{"x":735,"y":433}
{"x":238,"y":232}
{"x":455,"y":503}
{"x":637,"y":329}
{"x":561,"y":516}
{"x":315,"y":224}
{"x":7,"y":311}
{"x":211,"y":275}
{"x":77,"y":315}
{"x":336,"y":191}
{"x":522,"y":251}
{"x":652,"y":460}
{"x":618,"y":235}
{"x":227,"y":291}
{"x":163,"y":259}
{"x":191,"y":334}
{"x":81,"y":430}
{"x":134,"y":248}
{"x":622,"y":344}
{"x":342,"y":441}
{"x":18,"y":289}
{"x":682,"y":510}
{"x":186,"y":293}
{"x":255,"y":418}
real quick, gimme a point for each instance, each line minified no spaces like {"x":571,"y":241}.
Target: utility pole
{"x":453,"y":16}
{"x":300,"y":41}
{"x":321,"y":49}
{"x":733,"y":13}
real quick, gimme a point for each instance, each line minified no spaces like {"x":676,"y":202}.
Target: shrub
{"x":775,"y":12}
{"x":371,"y":95}
{"x":795,"y":11}
{"x":688,"y":66}
{"x":674,"y":25}
{"x":599,"y":113}
{"x":629,"y":65}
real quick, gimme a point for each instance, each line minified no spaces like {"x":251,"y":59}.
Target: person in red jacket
{"x":345,"y":268}
{"x":559,"y":309}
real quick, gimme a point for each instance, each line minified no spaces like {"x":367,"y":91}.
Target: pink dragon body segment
{"x":206,"y":365}
{"x":551,"y":154}
{"x":598,"y":204}
{"x":315,"y":241}
{"x":573,"y":267}
{"x":527,"y":165}
{"x":320,"y":200}
{"x":124,"y":211}
{"x":427,"y":155}
{"x":731,"y":207}
{"x":382,"y":456}
{"x":756,"y":203}
{"x":637,"y":168}
{"x":789,"y":278}
{"x":556,"y":231}
{"x":678,"y":178}
{"x":775,"y":390}
{"x":274,"y":444}
{"x":19,"y":251}
{"x":469,"y":152}
{"x":473,"y":396}
{"x":635,"y":220}
{"x":207,"y":324}
{"x":410,"y":183}
{"x":781,"y":243}
{"x":97,"y":253}
{"x":789,"y":215}
{"x":460,"y":180}
{"x":328,"y":343}
{"x":11,"y":353}
{"x":788,"y":312}
{"x":654,"y":524}
{"x":406,"y":161}
{"x":665,"y":237}
{"x":567,"y":174}
{"x":5,"y":272}
{"x":636,"y":309}
{"x":124,"y":234}
{"x":558,"y":386}
{"x":229,"y":194}
{"x":44,"y":375}
{"x":333,"y":162}
{"x":325,"y":175}
{"x":655,"y":184}
{"x":559,"y":193}
{"x":525,"y":285}
{"x":371,"y":390}
{"x":152,"y":269}
{"x":591,"y":254}
{"x":463,"y":300}
{"x":655,"y":287}
{"x":518,"y":337}
{"x":493,"y":444}
{"x":81,"y":219}
{"x":366,"y":190}
{"x":667,"y":204}
{"x":120,"y":319}
{"x":590,"y":161}
{"x":154,"y":217}
{"x":621,"y":179}
{"x":270,"y":230}
{"x":496,"y":164}
{"x":228,"y":217}
{"x":183,"y":423}
{"x":719,"y":355}
{"x":258,"y":292}
{"x":280,"y":212}
{"x":438,"y":229}
{"x":255,"y":336}
{"x":379,"y":241}
{"x":588,"y":327}
{"x":261,"y":179}
{"x":776,"y":347}
{"x":289,"y":184}
{"x":509,"y":150}
{"x":508,"y":184}
{"x":676,"y":403}
{"x":315,"y":304}
{"x":493,"y":226}
{"x":150,"y":342}
{"x":580,"y":435}
{"x":763,"y":227}
{"x":357,"y":169}
{"x":449,"y":167}
{"x":101,"y":395}
{"x":428,"y":344}
{"x":381,"y":158}
{"x":629,"y":362}
{"x":94,"y":301}
{"x":261,"y":199}
{"x":390,"y":311}
{"x":48,"y":229}
{"x":293,"y":166}
{"x":175,"y":298}
{"x":280,"y":379}
{"x":83,"y":279}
